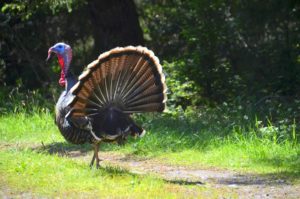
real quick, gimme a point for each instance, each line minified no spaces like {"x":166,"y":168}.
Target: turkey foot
{"x":96,"y":156}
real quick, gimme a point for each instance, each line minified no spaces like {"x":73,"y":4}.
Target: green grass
{"x":253,"y":156}
{"x":196,"y":143}
{"x":31,"y":128}
{"x":50,"y":175}
{"x":254,"y":149}
{"x":26,"y":167}
{"x":177,"y":142}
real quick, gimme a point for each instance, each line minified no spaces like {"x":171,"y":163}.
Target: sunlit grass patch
{"x":257,"y":148}
{"x":21,"y":127}
{"x":254,"y":157}
{"x":51,"y":175}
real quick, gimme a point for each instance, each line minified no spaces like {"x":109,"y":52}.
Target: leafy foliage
{"x":181,"y":91}
{"x":29,"y":28}
{"x":223,"y":50}
{"x":229,"y":49}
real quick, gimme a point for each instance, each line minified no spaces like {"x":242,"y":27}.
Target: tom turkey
{"x":96,"y":107}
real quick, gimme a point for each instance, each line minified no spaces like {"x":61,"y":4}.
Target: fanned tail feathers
{"x":129,"y":79}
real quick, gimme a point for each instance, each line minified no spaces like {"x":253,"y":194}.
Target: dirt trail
{"x":245,"y":185}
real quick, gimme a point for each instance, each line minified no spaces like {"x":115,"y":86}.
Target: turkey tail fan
{"x":129,"y":79}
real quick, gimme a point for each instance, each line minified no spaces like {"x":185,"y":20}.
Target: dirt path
{"x":245,"y":185}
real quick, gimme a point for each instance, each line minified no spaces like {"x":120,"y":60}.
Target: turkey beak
{"x":49,"y":54}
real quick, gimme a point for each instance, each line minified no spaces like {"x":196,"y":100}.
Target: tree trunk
{"x":114,"y":23}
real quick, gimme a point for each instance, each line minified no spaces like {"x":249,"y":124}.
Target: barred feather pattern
{"x":119,"y":83}
{"x":71,"y":133}
{"x":129,"y":78}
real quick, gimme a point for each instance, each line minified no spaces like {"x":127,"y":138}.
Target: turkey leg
{"x":96,"y":156}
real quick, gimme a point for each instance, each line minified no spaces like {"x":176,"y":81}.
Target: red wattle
{"x":62,"y":80}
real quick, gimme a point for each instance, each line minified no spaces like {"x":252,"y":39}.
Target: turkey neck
{"x":71,"y":80}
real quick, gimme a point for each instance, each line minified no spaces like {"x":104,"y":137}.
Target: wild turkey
{"x":97,"y":107}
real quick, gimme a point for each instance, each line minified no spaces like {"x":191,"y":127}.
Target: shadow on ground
{"x":78,"y":151}
{"x":64,"y":149}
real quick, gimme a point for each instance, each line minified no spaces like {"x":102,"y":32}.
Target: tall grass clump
{"x":196,"y":127}
{"x":28,"y":116}
{"x":18,"y":100}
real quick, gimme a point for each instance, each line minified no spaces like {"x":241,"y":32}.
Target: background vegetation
{"x":219,"y":51}
{"x":238,"y":56}
{"x":232,"y":70}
